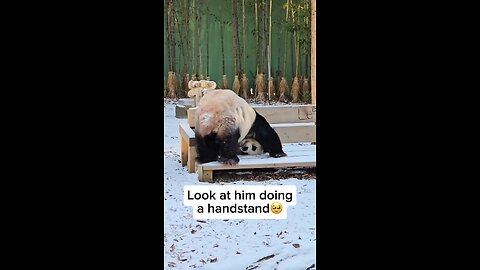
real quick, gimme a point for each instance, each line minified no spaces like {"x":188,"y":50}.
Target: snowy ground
{"x":233,"y":244}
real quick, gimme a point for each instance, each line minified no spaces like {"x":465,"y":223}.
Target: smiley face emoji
{"x":276,"y":208}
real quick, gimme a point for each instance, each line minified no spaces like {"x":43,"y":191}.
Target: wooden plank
{"x":276,"y":114}
{"x":192,"y":154}
{"x":283,"y":162}
{"x":314,"y":52}
{"x":184,"y":150}
{"x":290,"y":153}
{"x":288,"y":114}
{"x":204,"y":175}
{"x":187,"y":133}
{"x":304,"y":132}
{"x":191,"y":116}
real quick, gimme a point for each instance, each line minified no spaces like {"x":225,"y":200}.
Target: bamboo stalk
{"x":181,"y":39}
{"x":236,"y":85}
{"x":199,"y":27}
{"x":256,"y":32}
{"x":167,"y":26}
{"x":187,"y":33}
{"x":174,"y":26}
{"x":270,"y":54}
{"x":172,"y":35}
{"x":223,"y":47}
{"x":283,"y":89}
{"x":224,"y":82}
{"x":235,"y":29}
{"x":244,"y":39}
{"x":193,"y":39}
{"x":244,"y":86}
{"x":295,"y":90}
{"x":295,"y":36}
{"x":207,"y":36}
{"x":264,"y":38}
{"x":285,"y":48}
{"x":292,"y":43}
{"x":314,"y":52}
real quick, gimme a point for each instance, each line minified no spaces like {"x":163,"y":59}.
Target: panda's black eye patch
{"x":254,"y":147}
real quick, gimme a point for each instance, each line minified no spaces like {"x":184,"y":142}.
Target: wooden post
{"x":314,"y":52}
{"x":204,"y":175}
{"x":192,"y":154}
{"x":184,"y":147}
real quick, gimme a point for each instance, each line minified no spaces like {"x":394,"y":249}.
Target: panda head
{"x":251,"y":147}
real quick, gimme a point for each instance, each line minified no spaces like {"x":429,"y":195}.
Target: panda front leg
{"x":207,"y":148}
{"x":229,"y":148}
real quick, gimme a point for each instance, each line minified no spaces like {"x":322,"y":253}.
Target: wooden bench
{"x":293,"y":123}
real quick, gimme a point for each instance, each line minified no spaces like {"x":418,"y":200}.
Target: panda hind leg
{"x":267,"y":137}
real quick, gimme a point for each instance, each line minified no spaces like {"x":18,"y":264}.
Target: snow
{"x":232,"y":244}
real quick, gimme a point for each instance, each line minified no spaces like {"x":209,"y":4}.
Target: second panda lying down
{"x":250,"y":147}
{"x":223,"y":120}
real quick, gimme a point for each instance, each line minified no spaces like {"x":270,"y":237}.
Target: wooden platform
{"x":277,"y":114}
{"x":294,"y":124}
{"x":297,"y":157}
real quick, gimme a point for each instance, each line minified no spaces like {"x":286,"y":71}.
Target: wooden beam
{"x":187,"y":134}
{"x":184,"y":148}
{"x":314,"y":52}
{"x":309,"y":159}
{"x":191,"y":162}
{"x":205,"y":175}
{"x":276,"y":114}
{"x":296,"y":132}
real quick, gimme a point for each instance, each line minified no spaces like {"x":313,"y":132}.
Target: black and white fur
{"x":250,"y":146}
{"x":223,"y":119}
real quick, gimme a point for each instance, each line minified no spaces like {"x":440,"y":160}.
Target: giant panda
{"x":222,"y":120}
{"x":250,"y":146}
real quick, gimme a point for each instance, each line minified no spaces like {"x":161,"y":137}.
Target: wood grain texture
{"x":276,"y":114}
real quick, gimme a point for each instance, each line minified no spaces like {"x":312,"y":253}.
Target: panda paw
{"x":229,"y":161}
{"x":278,"y":155}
